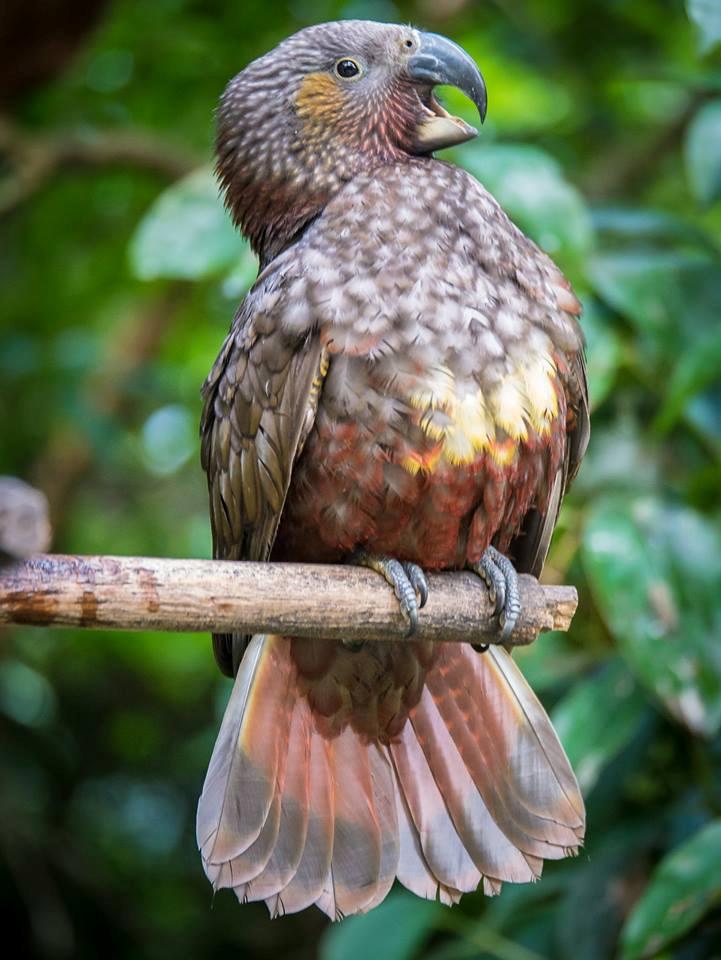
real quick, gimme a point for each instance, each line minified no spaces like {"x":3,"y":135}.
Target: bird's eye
{"x":346,"y":68}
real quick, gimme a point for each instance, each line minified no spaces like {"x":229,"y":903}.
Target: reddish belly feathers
{"x":349,"y":491}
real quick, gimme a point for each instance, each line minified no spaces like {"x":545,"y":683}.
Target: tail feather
{"x":489,"y":848}
{"x":355,"y":869}
{"x":240,"y":785}
{"x":294,"y":813}
{"x":538,"y":730}
{"x":474,"y":790}
{"x":251,"y":863}
{"x":384,"y":791}
{"x":447,"y":858}
{"x":413,"y":870}
{"x":501,"y":751}
{"x":308,"y":882}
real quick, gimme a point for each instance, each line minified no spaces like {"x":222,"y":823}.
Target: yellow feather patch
{"x":438,"y":391}
{"x":503,"y":452}
{"x":466,"y":425}
{"x":509,"y":405}
{"x":422,"y":463}
{"x":470,"y":432}
{"x":538,"y":377}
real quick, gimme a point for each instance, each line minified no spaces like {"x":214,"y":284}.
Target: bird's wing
{"x":530,"y":548}
{"x":260,"y":401}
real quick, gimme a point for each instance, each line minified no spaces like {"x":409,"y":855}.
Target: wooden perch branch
{"x":143,"y":593}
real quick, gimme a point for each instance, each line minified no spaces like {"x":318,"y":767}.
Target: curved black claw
{"x":501,"y":578}
{"x":407,"y":579}
{"x":418,"y":581}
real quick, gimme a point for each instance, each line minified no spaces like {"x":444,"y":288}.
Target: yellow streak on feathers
{"x":465,"y":425}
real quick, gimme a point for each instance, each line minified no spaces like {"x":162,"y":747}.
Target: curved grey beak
{"x":440,"y":60}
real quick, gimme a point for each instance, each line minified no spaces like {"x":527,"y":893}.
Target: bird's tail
{"x":474,"y":789}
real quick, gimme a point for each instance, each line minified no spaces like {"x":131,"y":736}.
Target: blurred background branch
{"x":627,"y":167}
{"x":24,"y":520}
{"x":33,"y":159}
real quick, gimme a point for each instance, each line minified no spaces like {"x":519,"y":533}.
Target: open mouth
{"x":431,"y":104}
{"x":436,"y":116}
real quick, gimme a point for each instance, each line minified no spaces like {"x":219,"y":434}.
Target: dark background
{"x":118,"y":279}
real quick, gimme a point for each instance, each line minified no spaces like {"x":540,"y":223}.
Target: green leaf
{"x":594,"y":906}
{"x":706,"y":14}
{"x":652,"y":227}
{"x":702,"y":149}
{"x":553,"y":659}
{"x":187,"y":233}
{"x":25,"y":695}
{"x":654,"y":571}
{"x":698,"y":367}
{"x":685,"y":885}
{"x":529,"y":185}
{"x":393,"y":931}
{"x":658,"y":291}
{"x":603,"y":352}
{"x":593,"y":737}
{"x":704,"y":412}
{"x":643,"y":286}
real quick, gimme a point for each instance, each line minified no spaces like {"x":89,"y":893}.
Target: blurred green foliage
{"x":118,"y":278}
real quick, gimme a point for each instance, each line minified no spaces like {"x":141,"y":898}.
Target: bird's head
{"x":329,"y":102}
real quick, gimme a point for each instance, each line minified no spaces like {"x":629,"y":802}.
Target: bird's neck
{"x":274,"y":211}
{"x":273,"y":215}
{"x":280,"y":167}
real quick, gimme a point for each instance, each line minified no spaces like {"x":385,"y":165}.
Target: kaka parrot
{"x":403,"y":387}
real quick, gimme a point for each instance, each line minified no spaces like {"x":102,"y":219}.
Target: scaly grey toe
{"x":418,"y":581}
{"x":500,"y":576}
{"x":408,"y":582}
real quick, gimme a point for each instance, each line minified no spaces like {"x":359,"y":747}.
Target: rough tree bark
{"x":144,"y":593}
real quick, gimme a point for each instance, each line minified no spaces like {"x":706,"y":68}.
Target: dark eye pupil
{"x":347,"y":68}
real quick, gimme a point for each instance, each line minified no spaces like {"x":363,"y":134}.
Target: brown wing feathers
{"x":259,"y":403}
{"x":529,"y":549}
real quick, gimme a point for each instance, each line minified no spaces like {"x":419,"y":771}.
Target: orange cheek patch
{"x":319,"y":98}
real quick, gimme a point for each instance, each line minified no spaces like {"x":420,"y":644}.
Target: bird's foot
{"x":499,"y":575}
{"x":407,"y":579}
